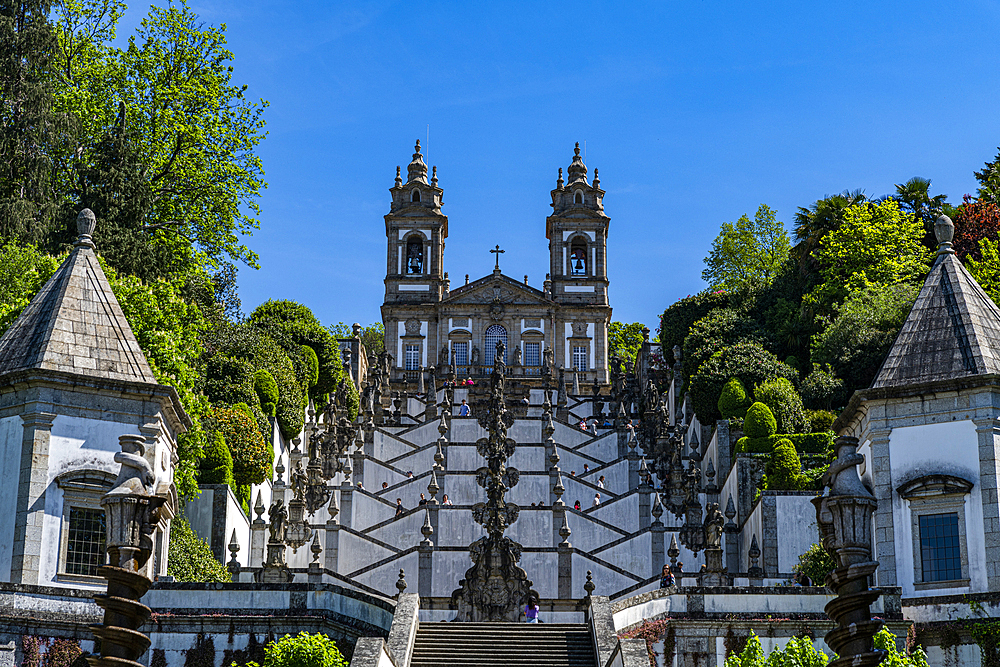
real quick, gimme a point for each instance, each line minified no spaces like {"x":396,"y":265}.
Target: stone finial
{"x":944,"y":231}
{"x":259,"y":508}
{"x":399,"y":179}
{"x":564,"y":533}
{"x":589,"y":584}
{"x":86,"y":221}
{"x":279,"y":470}
{"x":755,"y":571}
{"x":597,"y":179}
{"x":576,"y":150}
{"x":417,"y":170}
{"x":234,"y":548}
{"x":673,"y":551}
{"x":730,"y":509}
{"x":657,"y":510}
{"x":577,"y":170}
{"x":559,"y":181}
{"x":316,"y":548}
{"x":559,"y":490}
{"x":433,"y":487}
{"x":401,"y":583}
{"x":332,"y":508}
{"x":427,"y":530}
{"x":434,"y":176}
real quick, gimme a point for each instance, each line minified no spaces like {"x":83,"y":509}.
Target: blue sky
{"x":694,"y":112}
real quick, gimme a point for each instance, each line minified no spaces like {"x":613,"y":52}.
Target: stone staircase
{"x":503,"y":645}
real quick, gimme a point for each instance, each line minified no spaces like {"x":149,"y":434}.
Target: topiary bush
{"x":312,"y":364}
{"x":733,"y":401}
{"x":303,"y":650}
{"x":252,"y":457}
{"x":745,"y":360}
{"x":815,"y":563}
{"x":806,"y":443}
{"x":820,"y":421}
{"x":786,"y":405}
{"x":784,"y":470}
{"x":217,"y":465}
{"x":267,"y":391}
{"x":822,"y":390}
{"x":676,"y":320}
{"x":759,"y":422}
{"x":189,"y":558}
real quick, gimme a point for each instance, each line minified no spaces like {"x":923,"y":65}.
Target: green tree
{"x":986,"y":270}
{"x":747,"y":253}
{"x":989,"y":181}
{"x":293,"y":325}
{"x":786,"y":405}
{"x":23,"y":271}
{"x":745,"y":360}
{"x":800,"y":652}
{"x":372,"y":336}
{"x":167,"y":138}
{"x":877,"y":244}
{"x":677,"y":319}
{"x":718,"y":329}
{"x":29,"y":125}
{"x":914,"y":198}
{"x":816,"y":221}
{"x":189,"y":558}
{"x":625,"y":339}
{"x":815,"y":563}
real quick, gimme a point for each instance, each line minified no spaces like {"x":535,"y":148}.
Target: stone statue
{"x":298,"y":481}
{"x":278,"y":515}
{"x":443,"y":358}
{"x":517,"y":355}
{"x":714,"y":521}
{"x":136,"y":474}
{"x":548,"y":359}
{"x":475,"y":355}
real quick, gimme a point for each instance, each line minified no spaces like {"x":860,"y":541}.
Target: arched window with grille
{"x":493,"y":334}
{"x":578,"y":258}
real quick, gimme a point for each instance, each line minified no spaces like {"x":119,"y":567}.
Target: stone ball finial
{"x":86,"y":222}
{"x":944,"y":230}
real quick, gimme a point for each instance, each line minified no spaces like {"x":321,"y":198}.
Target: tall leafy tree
{"x":747,"y":253}
{"x":914,"y":198}
{"x":813,"y":223}
{"x":29,"y":126}
{"x":168,"y":140}
{"x":625,"y":339}
{"x":989,"y":181}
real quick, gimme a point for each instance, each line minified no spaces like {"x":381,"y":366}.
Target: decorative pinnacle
{"x":730,"y":509}
{"x":944,"y":231}
{"x":657,"y":510}
{"x":597,"y":180}
{"x":576,"y":150}
{"x":754,"y":551}
{"x":427,"y":530}
{"x":589,"y":584}
{"x":332,"y":508}
{"x":433,"y":488}
{"x":434,"y":176}
{"x":559,"y":490}
{"x":259,"y":508}
{"x":86,"y":221}
{"x":234,"y":545}
{"x":316,"y":547}
{"x":399,"y":179}
{"x":559,"y":181}
{"x":673,"y":551}
{"x":564,"y":533}
{"x":401,"y":583}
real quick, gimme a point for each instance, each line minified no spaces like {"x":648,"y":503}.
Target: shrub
{"x":856,"y":343}
{"x":820,"y":421}
{"x":303,"y":650}
{"x":353,"y":400}
{"x":815,"y":563}
{"x":719,"y":329}
{"x":244,"y":408}
{"x":786,"y":405}
{"x":251,"y":456}
{"x":822,"y":390}
{"x":312,"y":364}
{"x":677,"y":319}
{"x":733,"y":401}
{"x":189,"y":558}
{"x":800,"y":652}
{"x":784,"y":470}
{"x":748,"y":361}
{"x":806,"y":443}
{"x":217,"y":465}
{"x":760,"y":422}
{"x":267,"y":391}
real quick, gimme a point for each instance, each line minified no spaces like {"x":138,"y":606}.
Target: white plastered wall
{"x":11,"y":432}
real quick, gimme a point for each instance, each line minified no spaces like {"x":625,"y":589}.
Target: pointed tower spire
{"x":577,"y":170}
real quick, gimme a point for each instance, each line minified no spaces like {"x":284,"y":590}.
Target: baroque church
{"x":367,"y":528}
{"x":427,"y":323}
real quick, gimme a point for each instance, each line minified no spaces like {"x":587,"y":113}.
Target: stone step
{"x":502,"y":645}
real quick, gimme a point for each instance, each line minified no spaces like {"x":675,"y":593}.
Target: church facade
{"x":563,"y":325}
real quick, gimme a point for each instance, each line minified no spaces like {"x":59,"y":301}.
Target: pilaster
{"x":988,"y":431}
{"x":31,"y":486}
{"x":885,"y":545}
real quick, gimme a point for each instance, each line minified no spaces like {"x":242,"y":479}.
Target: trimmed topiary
{"x":784,"y":470}
{"x":189,"y":558}
{"x":733,"y":402}
{"x":312,"y":364}
{"x":760,"y":422}
{"x":267,"y":391}
{"x":806,"y":443}
{"x":217,"y":465}
{"x":786,"y":405}
{"x":244,"y":408}
{"x":252,"y":457}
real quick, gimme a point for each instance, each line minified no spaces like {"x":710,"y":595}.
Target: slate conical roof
{"x":953,"y":330}
{"x":75,"y":324}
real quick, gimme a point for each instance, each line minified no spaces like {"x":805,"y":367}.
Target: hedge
{"x":267,"y":391}
{"x":217,"y":465}
{"x":784,"y":470}
{"x":252,"y":456}
{"x":189,"y":558}
{"x":808,"y":443}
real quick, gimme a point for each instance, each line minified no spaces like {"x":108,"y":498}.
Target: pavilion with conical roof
{"x":72,"y":380}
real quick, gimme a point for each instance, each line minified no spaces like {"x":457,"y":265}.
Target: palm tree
{"x":914,"y":198}
{"x":813,"y":223}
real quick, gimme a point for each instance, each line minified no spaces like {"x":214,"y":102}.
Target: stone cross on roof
{"x":497,"y":251}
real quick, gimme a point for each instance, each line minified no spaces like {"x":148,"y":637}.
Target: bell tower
{"x":415,"y":281}
{"x":577,"y":232}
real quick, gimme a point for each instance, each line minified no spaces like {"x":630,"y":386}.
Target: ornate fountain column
{"x":844,"y":515}
{"x":131,"y":514}
{"x":495,"y":587}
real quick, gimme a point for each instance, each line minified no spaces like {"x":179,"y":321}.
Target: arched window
{"x":493,"y":334}
{"x":415,"y":256}
{"x":578,"y":259}
{"x":415,"y":196}
{"x":578,"y":199}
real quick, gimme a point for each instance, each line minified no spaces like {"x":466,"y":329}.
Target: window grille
{"x":580,"y":358}
{"x":413,"y":357}
{"x":85,"y":547}
{"x":493,"y":334}
{"x":940,"y":554}
{"x":532,"y":354}
{"x":461,"y":353}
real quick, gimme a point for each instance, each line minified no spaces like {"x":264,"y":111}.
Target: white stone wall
{"x":11,"y":433}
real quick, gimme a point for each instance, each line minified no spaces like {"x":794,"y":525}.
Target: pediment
{"x":496,"y":289}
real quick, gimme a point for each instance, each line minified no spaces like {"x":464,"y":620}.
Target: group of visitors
{"x":458,"y":384}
